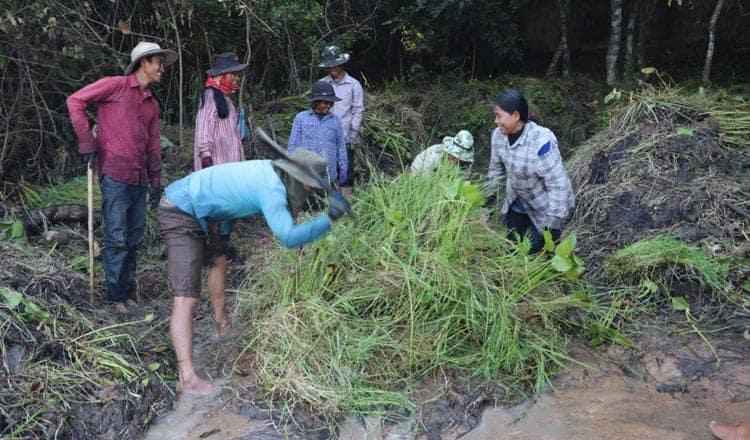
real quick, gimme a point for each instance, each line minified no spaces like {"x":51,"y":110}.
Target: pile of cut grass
{"x":417,"y":285}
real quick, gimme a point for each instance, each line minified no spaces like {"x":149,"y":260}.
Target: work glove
{"x":88,"y":158}
{"x":206,"y":161}
{"x":337,"y":206}
{"x":153,"y":198}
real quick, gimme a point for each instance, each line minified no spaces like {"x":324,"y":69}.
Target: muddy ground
{"x":668,"y":388}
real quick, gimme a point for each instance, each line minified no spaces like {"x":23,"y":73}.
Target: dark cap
{"x":323,"y":91}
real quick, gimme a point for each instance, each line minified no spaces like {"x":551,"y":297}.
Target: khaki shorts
{"x":187,"y":252}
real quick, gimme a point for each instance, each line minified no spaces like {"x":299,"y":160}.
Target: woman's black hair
{"x":512,"y":101}
{"x":222,"y":109}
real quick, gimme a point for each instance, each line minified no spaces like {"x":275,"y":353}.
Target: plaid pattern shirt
{"x":323,"y":136}
{"x":534,"y":174}
{"x":127,"y":146}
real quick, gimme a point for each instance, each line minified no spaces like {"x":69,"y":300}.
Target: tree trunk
{"x":562,"y":48}
{"x":180,"y":79}
{"x":711,"y":40}
{"x":614,"y":41}
{"x":629,"y":40}
{"x":564,"y":7}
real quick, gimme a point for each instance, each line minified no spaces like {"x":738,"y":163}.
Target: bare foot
{"x":196,"y":386}
{"x":120,"y":308}
{"x":726,"y":432}
{"x":224,"y":329}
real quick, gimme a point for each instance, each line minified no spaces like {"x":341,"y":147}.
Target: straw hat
{"x":146,"y":49}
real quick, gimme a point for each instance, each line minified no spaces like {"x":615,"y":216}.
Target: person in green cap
{"x":458,"y":149}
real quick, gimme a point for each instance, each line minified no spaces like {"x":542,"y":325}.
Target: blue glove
{"x":337,"y":206}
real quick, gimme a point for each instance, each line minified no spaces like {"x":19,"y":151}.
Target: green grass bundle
{"x":418,"y":284}
{"x":650,"y":258}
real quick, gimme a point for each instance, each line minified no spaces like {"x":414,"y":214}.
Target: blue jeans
{"x":124,"y":210}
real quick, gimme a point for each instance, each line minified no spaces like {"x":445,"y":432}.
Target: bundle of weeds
{"x":649,"y":258}
{"x":416,"y":285}
{"x":661,"y":168}
{"x":66,"y":365}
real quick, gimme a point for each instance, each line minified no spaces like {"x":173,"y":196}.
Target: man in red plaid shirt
{"x":128,"y":158}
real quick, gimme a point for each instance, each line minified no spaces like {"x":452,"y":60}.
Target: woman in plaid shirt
{"x":539,"y":194}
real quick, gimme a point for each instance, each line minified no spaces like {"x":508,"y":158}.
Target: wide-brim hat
{"x":333,"y":62}
{"x":147,"y":49}
{"x":461,"y":146}
{"x":332,"y":56}
{"x":226,"y":62}
{"x":301,"y":174}
{"x":323,"y":91}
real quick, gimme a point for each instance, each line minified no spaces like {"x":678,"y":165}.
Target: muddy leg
{"x":217,"y":284}
{"x":181,"y":329}
{"x":726,"y":432}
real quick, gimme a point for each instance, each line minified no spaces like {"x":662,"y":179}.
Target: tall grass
{"x":418,"y":284}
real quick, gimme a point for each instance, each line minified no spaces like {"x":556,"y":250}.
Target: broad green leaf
{"x":684,"y":131}
{"x":679,"y":304}
{"x":549,"y":244}
{"x":648,"y":70}
{"x":17,"y":231}
{"x":565,"y":248}
{"x":561,"y":264}
{"x":148,"y":319}
{"x":471,"y":194}
{"x":34,"y":312}
{"x":153,"y":366}
{"x":144,"y":382}
{"x":11,"y":298}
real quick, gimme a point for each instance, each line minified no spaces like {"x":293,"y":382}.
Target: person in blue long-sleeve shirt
{"x":320,"y":131}
{"x":196,"y":215}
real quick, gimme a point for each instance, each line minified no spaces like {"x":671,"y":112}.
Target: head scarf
{"x":225,"y":83}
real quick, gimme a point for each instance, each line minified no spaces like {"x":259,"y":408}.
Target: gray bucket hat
{"x":300,"y":174}
{"x":461,"y":147}
{"x":226,"y":62}
{"x":331,"y":56}
{"x":147,"y":49}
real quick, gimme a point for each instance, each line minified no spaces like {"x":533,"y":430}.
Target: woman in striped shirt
{"x":216,"y":137}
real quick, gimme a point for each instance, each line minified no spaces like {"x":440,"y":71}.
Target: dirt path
{"x":670,"y":392}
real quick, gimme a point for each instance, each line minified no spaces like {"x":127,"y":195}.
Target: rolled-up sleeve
{"x":103,"y":90}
